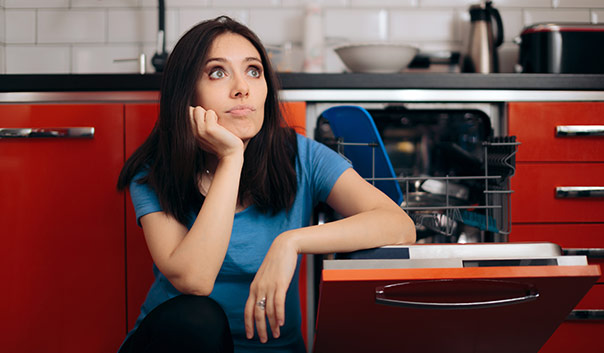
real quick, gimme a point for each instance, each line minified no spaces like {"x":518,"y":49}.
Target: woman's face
{"x":232,"y":84}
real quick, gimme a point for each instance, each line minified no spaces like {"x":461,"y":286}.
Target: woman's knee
{"x":186,"y":323}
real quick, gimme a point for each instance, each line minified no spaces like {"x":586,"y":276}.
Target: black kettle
{"x":481,"y":53}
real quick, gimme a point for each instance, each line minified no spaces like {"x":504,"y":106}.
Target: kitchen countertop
{"x":297,"y":81}
{"x":327,"y":87}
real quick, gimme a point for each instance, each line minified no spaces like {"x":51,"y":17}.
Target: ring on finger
{"x":262,"y":303}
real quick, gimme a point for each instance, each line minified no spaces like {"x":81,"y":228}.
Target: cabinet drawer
{"x":580,"y":335}
{"x":534,"y":198}
{"x":571,"y":237}
{"x":576,"y":336}
{"x":535,"y":126}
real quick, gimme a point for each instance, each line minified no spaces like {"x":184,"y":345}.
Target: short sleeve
{"x":144,"y":199}
{"x":325,"y":166}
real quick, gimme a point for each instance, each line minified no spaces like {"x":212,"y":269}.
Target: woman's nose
{"x":240,"y":87}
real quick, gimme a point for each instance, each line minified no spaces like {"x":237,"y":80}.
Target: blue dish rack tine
{"x":360,"y":142}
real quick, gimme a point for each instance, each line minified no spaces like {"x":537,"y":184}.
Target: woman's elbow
{"x":194,"y":285}
{"x":407,"y":235}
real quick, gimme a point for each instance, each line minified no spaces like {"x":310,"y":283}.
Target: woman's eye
{"x":217,"y":74}
{"x":254,"y":72}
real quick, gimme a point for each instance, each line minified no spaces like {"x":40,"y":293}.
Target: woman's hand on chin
{"x":268,"y":289}
{"x":212,"y":136}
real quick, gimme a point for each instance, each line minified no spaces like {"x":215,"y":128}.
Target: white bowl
{"x":376,"y":57}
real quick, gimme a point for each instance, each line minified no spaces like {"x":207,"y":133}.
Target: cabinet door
{"x":535,"y":125}
{"x":535,"y":199}
{"x":140,"y":119}
{"x":62,"y":231}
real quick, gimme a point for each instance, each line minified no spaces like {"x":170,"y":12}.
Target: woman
{"x":224,"y":191}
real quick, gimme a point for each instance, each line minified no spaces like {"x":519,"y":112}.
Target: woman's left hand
{"x":268,"y":289}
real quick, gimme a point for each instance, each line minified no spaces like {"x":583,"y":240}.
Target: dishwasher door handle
{"x":383,"y":297}
{"x":579,"y":130}
{"x":61,"y":132}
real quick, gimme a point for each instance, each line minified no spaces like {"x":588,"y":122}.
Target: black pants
{"x":186,"y":323}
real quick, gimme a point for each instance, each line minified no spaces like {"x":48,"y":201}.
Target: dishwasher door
{"x":447,"y":308}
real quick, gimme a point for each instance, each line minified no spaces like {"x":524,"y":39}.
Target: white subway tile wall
{"x":512,"y":23}
{"x":580,"y":3}
{"x":277,"y":26}
{"x":423,"y":25}
{"x":383,"y":3}
{"x":2,"y":37}
{"x":20,"y":26}
{"x":597,"y":16}
{"x":2,"y":64}
{"x":85,"y":36}
{"x":355,"y":24}
{"x":37,"y":59}
{"x":19,"y":4}
{"x":72,"y":26}
{"x":140,"y":25}
{"x":104,"y":3}
{"x":2,"y":26}
{"x":101,"y":59}
{"x":190,"y":17}
{"x":543,"y":15}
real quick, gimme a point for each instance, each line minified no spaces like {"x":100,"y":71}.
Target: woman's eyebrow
{"x":253,"y":58}
{"x":222,"y":60}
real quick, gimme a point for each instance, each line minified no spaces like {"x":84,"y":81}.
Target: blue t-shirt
{"x":317,"y":168}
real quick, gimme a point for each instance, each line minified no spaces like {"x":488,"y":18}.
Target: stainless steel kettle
{"x":481,"y":54}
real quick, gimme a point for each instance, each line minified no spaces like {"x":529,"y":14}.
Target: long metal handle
{"x":380,"y":298}
{"x":592,"y":253}
{"x":579,"y":130}
{"x":579,"y":191}
{"x":62,"y":132}
{"x":591,"y":314}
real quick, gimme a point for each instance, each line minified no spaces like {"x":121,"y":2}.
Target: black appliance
{"x":562,"y":48}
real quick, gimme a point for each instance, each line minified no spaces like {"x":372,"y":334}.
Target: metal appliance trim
{"x":436,"y":95}
{"x":80,"y":97}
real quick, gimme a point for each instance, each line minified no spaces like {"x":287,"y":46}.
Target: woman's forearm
{"x":368,"y":229}
{"x":199,"y":256}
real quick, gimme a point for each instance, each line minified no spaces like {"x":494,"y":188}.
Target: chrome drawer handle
{"x":592,"y":253}
{"x":591,"y":314}
{"x":579,"y":191}
{"x":579,"y":130}
{"x":62,"y":132}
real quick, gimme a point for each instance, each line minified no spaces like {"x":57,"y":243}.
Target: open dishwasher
{"x":451,"y":294}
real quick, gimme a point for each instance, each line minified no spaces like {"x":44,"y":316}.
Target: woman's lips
{"x":240,"y":110}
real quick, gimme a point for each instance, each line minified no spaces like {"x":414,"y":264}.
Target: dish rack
{"x":444,"y":211}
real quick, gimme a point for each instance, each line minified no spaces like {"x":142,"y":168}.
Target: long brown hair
{"x":172,"y":155}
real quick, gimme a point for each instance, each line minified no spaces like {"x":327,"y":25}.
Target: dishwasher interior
{"x":447,"y":166}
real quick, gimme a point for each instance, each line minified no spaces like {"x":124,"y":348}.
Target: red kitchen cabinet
{"x":62,"y":229}
{"x":139,"y":121}
{"x":547,"y":161}
{"x":535,"y":199}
